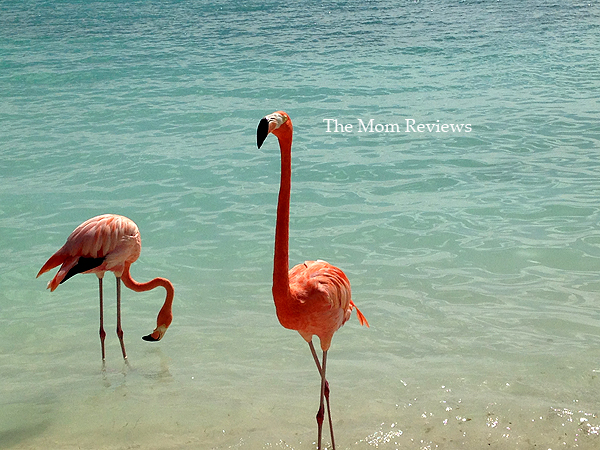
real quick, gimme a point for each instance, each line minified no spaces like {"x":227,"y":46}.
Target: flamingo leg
{"x":321,"y":412}
{"x":102,"y":332}
{"x":119,"y":328}
{"x":317,"y":362}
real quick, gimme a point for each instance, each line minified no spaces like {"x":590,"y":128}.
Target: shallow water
{"x":474,"y":255}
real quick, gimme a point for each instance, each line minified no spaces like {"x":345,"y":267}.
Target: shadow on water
{"x":163,"y":373}
{"x":20,"y":433}
{"x":22,"y":421}
{"x":154,"y":368}
{"x":126,"y":368}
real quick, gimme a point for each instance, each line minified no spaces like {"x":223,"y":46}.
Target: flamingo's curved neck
{"x":281,"y":284}
{"x":165,"y":316}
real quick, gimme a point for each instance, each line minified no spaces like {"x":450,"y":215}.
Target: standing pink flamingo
{"x":313,"y":298}
{"x":108,"y":243}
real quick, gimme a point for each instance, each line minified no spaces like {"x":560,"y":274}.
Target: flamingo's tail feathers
{"x":53,"y":283}
{"x":361,"y":317}
{"x":55,"y":260}
{"x":70,"y":266}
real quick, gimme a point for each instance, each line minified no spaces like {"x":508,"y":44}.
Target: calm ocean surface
{"x":475,"y":255}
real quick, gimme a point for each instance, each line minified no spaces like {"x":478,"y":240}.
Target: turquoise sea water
{"x":474,"y":255}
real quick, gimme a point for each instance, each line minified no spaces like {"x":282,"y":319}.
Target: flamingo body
{"x":108,"y":243}
{"x":313,"y":298}
{"x":320,"y":301}
{"x":100,"y":244}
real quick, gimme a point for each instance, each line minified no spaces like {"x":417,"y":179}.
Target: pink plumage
{"x":324,"y":293}
{"x":313,"y":298}
{"x":108,"y":243}
{"x":110,"y":236}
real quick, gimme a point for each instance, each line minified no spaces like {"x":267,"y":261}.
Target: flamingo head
{"x":164,"y":319}
{"x":278,"y":123}
{"x":157,"y":334}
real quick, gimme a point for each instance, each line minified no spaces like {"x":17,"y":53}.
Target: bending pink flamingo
{"x":108,"y":243}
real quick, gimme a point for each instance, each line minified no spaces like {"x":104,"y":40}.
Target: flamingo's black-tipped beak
{"x":262,"y":132}
{"x":149,"y":338}
{"x":156,"y":335}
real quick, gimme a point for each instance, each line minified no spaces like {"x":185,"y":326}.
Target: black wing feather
{"x":83,"y":265}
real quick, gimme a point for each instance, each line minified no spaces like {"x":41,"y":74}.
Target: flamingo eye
{"x":279,"y":119}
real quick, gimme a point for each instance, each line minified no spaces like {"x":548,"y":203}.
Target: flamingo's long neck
{"x":281,"y":284}
{"x":165,"y":315}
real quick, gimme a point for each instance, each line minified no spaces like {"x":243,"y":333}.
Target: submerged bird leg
{"x":316,"y":358}
{"x":119,"y":329}
{"x":102,"y":332}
